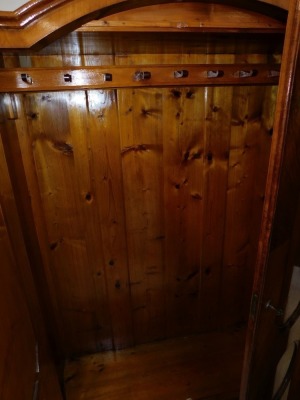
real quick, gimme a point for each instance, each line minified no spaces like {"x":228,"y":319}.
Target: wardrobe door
{"x":27,"y":370}
{"x":18,"y":347}
{"x":280,"y":234}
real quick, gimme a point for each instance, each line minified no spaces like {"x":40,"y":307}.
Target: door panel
{"x":280,"y":233}
{"x":17,"y":339}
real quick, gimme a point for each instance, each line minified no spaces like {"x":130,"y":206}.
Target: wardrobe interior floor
{"x":206,"y":366}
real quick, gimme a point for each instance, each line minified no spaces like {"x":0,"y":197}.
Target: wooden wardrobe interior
{"x":147,"y":194}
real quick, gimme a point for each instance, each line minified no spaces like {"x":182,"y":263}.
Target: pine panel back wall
{"x":147,"y":202}
{"x":148,"y":198}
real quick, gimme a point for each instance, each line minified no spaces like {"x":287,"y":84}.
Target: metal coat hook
{"x":107,"y":77}
{"x":181,"y":74}
{"x":68,"y":77}
{"x":245,"y":73}
{"x":273,"y":74}
{"x":27,"y":78}
{"x":278,"y":311}
{"x":141,"y":75}
{"x":215,"y":74}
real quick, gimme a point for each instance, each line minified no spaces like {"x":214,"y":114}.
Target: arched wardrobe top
{"x":209,"y":132}
{"x":41,"y":21}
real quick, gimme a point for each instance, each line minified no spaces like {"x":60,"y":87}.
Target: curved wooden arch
{"x":38,"y":19}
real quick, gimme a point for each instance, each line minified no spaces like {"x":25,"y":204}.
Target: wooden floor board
{"x":202,"y":367}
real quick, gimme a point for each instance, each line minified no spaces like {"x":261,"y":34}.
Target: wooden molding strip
{"x":27,"y":13}
{"x":43,"y":79}
{"x":190,"y":16}
{"x":39,"y":19}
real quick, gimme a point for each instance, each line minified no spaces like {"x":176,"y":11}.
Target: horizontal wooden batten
{"x":40,"y":79}
{"x":177,"y":27}
{"x":187,"y":16}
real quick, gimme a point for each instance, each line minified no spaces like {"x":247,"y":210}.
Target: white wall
{"x":11,"y":5}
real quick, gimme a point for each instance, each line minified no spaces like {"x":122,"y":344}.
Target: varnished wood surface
{"x":48,"y":375}
{"x":35,"y":79}
{"x":27,"y":13}
{"x":100,"y":307}
{"x":145,"y":202}
{"x":41,"y":19}
{"x":185,"y":17}
{"x":196,"y":367}
{"x":105,"y":49}
{"x":17,"y":337}
{"x":279,"y":241}
{"x":20,"y":336}
{"x":12,"y":151}
{"x":136,"y":195}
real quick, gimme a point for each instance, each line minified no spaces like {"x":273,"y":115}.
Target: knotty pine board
{"x":140,"y":124}
{"x":108,"y":186}
{"x":243,"y":172}
{"x":144,"y":201}
{"x":183,"y":152}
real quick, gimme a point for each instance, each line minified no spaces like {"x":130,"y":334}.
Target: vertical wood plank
{"x":107,"y":196}
{"x":84,"y":182}
{"x":216,"y":155}
{"x":140,"y":118}
{"x":246,"y":182}
{"x":247,"y":109}
{"x":183,"y":140}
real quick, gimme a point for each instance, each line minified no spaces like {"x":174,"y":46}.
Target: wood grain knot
{"x":32,"y":115}
{"x":54,"y":245}
{"x":190,"y":94}
{"x":148,"y":112}
{"x":196,"y":196}
{"x":176,"y":93}
{"x":65,"y":148}
{"x":209,"y":156}
{"x":89,"y":197}
{"x":207,"y":271}
{"x":138,"y":147}
{"x":46,"y":97}
{"x":215,"y":108}
{"x":190,"y":156}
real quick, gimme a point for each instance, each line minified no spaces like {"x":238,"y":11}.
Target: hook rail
{"x":40,"y":79}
